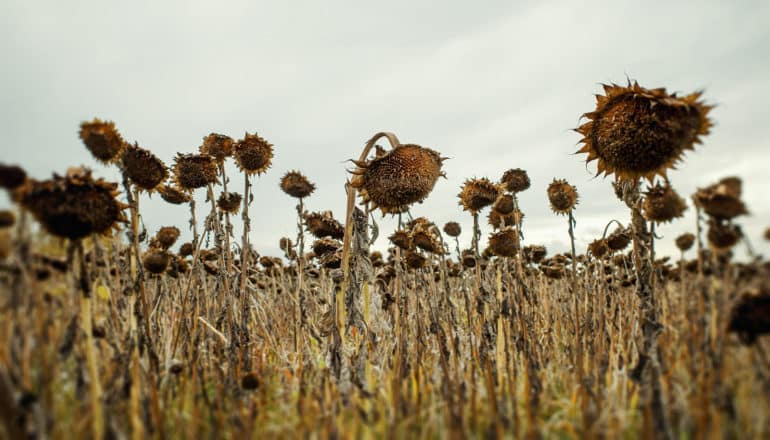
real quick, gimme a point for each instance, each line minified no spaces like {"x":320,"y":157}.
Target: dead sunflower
{"x":193,"y":171}
{"x":229,"y":202}
{"x":563,"y":196}
{"x":685,"y":241}
{"x":619,"y":239}
{"x":402,"y":239}
{"x":503,"y":242}
{"x":535,"y":253}
{"x":504,"y":204}
{"x":425,"y":238}
{"x":723,"y":236}
{"x":722,"y":200}
{"x":74,"y":206}
{"x":662,"y":204}
{"x":253,"y":154}
{"x":476,"y":194}
{"x":296,"y":185}
{"x":7,"y":219}
{"x":495,"y":219}
{"x":11,"y":176}
{"x":452,"y":229}
{"x":515,"y":180}
{"x":217,"y":146}
{"x":414,"y":260}
{"x":167,"y":236}
{"x":144,"y":169}
{"x":325,"y":245}
{"x":598,"y":248}
{"x":394,"y":180}
{"x":156,"y":261}
{"x":323,"y":224}
{"x":102,"y":140}
{"x":173,"y":195}
{"x":636,"y":132}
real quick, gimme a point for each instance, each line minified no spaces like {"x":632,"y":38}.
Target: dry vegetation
{"x":116,"y":334}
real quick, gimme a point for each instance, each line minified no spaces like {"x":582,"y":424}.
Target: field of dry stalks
{"x":109,"y":330}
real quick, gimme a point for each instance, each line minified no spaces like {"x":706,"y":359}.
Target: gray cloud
{"x":493,"y":86}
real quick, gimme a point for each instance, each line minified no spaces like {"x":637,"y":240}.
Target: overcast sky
{"x":493,"y":85}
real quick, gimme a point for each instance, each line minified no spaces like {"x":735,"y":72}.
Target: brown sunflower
{"x":598,"y":248}
{"x":452,"y":229}
{"x":424,"y":237}
{"x":619,"y":239}
{"x":167,"y":236}
{"x":192,"y":171}
{"x":323,"y":224}
{"x":476,"y":194}
{"x":515,"y":180}
{"x":636,"y":132}
{"x":11,"y":176}
{"x":102,"y":140}
{"x":402,"y":239}
{"x":662,"y":204}
{"x":143,"y":168}
{"x":229,"y":202}
{"x":722,"y":200}
{"x":563,"y":196}
{"x":217,"y":146}
{"x":394,"y":180}
{"x":173,"y":195}
{"x":325,"y":245}
{"x":534,"y":253}
{"x":74,"y":206}
{"x":296,"y":185}
{"x":503,"y":242}
{"x":253,"y":154}
{"x":7,"y":218}
{"x":723,"y":236}
{"x":495,"y":219}
{"x":685,"y":241}
{"x":156,"y":261}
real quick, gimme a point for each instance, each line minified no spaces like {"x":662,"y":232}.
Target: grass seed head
{"x":217,"y":146}
{"x":563,"y":196}
{"x":476,"y":194}
{"x":253,"y":154}
{"x":192,"y":171}
{"x":74,"y":206}
{"x":636,"y":132}
{"x":396,"y":179}
{"x":102,"y":139}
{"x":662,"y":204}
{"x":143,"y":168}
{"x":296,"y":185}
{"x":515,"y":180}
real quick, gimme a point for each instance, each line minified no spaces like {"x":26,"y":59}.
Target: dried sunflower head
{"x":402,"y":239}
{"x":323,"y":224}
{"x":476,"y":194}
{"x":722,"y":200}
{"x":192,"y":171}
{"x":636,"y":132}
{"x":325,"y":245}
{"x":563,"y":196}
{"x":414,"y":260}
{"x":253,"y":154}
{"x":425,"y":238}
{"x":229,"y":202}
{"x":515,"y":180}
{"x":497,"y":220}
{"x":296,"y":185}
{"x":503,"y":242}
{"x":619,"y":239}
{"x":685,"y":241}
{"x":452,"y":229}
{"x":102,"y":140}
{"x":535,"y":253}
{"x":11,"y":176}
{"x":553,"y":270}
{"x":173,"y":195}
{"x":217,"y":146}
{"x":504,"y":204}
{"x":74,"y":206}
{"x":144,"y":169}
{"x":395,"y":180}
{"x":167,"y":236}
{"x":156,"y":261}
{"x":7,"y":219}
{"x":723,"y":236}
{"x":662,"y":204}
{"x":598,"y":248}
{"x":186,"y":249}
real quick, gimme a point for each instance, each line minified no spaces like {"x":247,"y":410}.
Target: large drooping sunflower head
{"x":563,"y":196}
{"x":296,"y":185}
{"x":144,"y":169}
{"x":636,"y":132}
{"x":74,"y":206}
{"x":193,"y":171}
{"x":218,"y":146}
{"x":503,"y":243}
{"x":394,"y":180}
